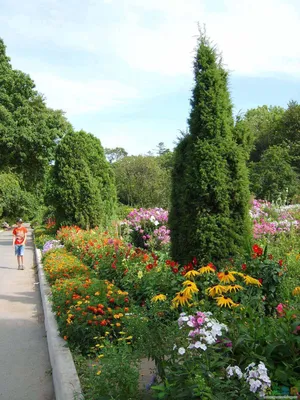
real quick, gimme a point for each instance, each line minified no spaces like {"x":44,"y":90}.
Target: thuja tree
{"x":209,"y":216}
{"x":82,"y":187}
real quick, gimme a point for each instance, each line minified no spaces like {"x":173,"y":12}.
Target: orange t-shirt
{"x":19,"y":233}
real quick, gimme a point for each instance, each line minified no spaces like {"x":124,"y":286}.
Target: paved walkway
{"x":24,"y":360}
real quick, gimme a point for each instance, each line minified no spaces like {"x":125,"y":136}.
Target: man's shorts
{"x":19,"y":250}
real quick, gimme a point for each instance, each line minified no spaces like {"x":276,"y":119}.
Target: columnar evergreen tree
{"x":209,"y":216}
{"x":82,"y":188}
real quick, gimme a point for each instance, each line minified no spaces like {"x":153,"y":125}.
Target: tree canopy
{"x":28,"y":129}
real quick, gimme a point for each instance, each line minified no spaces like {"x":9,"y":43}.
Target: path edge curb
{"x":65,"y":378}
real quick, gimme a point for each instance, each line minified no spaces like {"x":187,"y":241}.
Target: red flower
{"x":175,"y":270}
{"x":280,"y":262}
{"x":149,"y":267}
{"x":113,"y":265}
{"x":257,"y":250}
{"x":103,"y":323}
{"x":270,"y":257}
{"x":260,"y":280}
{"x":112,"y":300}
{"x":168,"y":262}
{"x":244,"y":267}
{"x":188,"y":267}
{"x":195,"y":261}
{"x":126,"y":300}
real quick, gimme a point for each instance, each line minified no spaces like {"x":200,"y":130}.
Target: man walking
{"x":19,"y":241}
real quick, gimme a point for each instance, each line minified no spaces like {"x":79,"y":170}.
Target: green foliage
{"x":264,"y":124}
{"x":115,"y":377}
{"x":123,"y":210}
{"x":115,"y":154}
{"x":243,"y":136}
{"x":210,"y":195}
{"x":274,"y":158}
{"x":273,"y":175}
{"x":290,"y":132}
{"x":15,"y":202}
{"x":29,"y":130}
{"x":272,"y":340}
{"x":142,"y":182}
{"x":82,"y":189}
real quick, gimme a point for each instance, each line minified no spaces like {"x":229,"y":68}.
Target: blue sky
{"x":122,"y":69}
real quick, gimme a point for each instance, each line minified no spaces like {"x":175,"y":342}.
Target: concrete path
{"x":25,"y":372}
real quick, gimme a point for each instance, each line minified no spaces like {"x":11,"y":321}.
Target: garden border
{"x":65,"y":378}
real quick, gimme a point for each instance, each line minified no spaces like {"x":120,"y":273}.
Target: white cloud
{"x":78,"y":97}
{"x":255,"y":36}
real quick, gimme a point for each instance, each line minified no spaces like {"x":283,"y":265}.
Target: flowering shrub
{"x":267,"y":270}
{"x":269,"y":221}
{"x":88,"y":308}
{"x":59,"y":264}
{"x":225,"y":288}
{"x":200,"y":366}
{"x":138,"y":271}
{"x":85,"y":306}
{"x":148,"y":228}
{"x":203,"y":330}
{"x":256,"y":376}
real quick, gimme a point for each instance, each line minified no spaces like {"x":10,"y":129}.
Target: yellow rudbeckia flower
{"x":181,"y":298}
{"x":206,"y":270}
{"x":296,"y":291}
{"x":191,"y":274}
{"x":251,"y":281}
{"x":226,"y":277}
{"x":159,"y":297}
{"x":223,"y":301}
{"x":233,"y":288}
{"x":216,"y":289}
{"x":190,"y":288}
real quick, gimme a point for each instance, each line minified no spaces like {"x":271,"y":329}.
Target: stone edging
{"x":65,"y":379}
{"x":281,"y":397}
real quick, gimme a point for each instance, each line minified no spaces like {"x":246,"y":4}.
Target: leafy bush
{"x":115,"y":376}
{"x":273,"y":175}
{"x":142,"y":181}
{"x":82,"y":188}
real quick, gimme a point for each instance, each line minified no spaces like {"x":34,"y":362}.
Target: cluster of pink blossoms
{"x":151,"y":224}
{"x":264,"y":224}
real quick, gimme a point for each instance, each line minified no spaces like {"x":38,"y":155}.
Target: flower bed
{"x":149,"y":291}
{"x":270,"y":220}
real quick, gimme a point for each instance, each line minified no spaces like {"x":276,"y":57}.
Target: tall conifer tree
{"x":209,"y":215}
